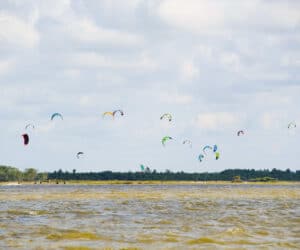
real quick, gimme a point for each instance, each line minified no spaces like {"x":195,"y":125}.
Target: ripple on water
{"x":150,"y":217}
{"x":73,"y":235}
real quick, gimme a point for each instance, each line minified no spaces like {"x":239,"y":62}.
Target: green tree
{"x":236,"y":178}
{"x":30,"y":174}
{"x":42,"y":177}
{"x":14,"y":174}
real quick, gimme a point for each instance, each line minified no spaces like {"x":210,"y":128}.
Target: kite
{"x":200,"y":157}
{"x":241,"y":132}
{"x":167,"y":116}
{"x":29,"y":125}
{"x":56,"y":115}
{"x":187,"y":142}
{"x":164,"y":139}
{"x":292,"y":125}
{"x":120,"y":111}
{"x":205,"y":148}
{"x":78,"y":154}
{"x":25,"y":139}
{"x":108,"y":113}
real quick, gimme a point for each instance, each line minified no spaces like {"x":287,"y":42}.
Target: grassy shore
{"x":119,"y":182}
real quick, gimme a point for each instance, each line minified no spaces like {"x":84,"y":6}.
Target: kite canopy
{"x":240,"y":132}
{"x":145,"y":168}
{"x":206,"y":148}
{"x":25,"y":139}
{"x":30,"y":125}
{"x":56,"y":115}
{"x":78,"y":154}
{"x":217,"y":155}
{"x":166,"y":116}
{"x":292,"y":125}
{"x":120,"y":111}
{"x":164,"y":139}
{"x":108,"y":113}
{"x":187,"y":142}
{"x":200,"y":157}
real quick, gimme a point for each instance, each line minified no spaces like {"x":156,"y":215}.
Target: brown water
{"x":150,"y":217}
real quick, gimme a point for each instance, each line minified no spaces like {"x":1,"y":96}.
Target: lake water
{"x":84,"y":217}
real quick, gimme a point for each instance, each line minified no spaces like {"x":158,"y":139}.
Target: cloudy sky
{"x":217,"y":66}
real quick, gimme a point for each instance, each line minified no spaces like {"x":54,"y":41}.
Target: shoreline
{"x":119,"y":182}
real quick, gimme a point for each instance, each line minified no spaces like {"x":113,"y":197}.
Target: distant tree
{"x":13,"y":174}
{"x":60,"y":174}
{"x":10,"y":174}
{"x":236,"y":178}
{"x":42,"y":177}
{"x":30,"y":174}
{"x":3,"y":173}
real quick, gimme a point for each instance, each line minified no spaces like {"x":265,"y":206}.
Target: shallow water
{"x":150,"y":217}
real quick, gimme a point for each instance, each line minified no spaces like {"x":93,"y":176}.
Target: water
{"x":150,"y":217}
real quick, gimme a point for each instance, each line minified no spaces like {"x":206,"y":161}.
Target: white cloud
{"x":205,"y":51}
{"x":15,"y":32}
{"x":175,"y":98}
{"x":189,"y":70}
{"x":6,"y":66}
{"x":88,"y":100}
{"x":265,"y":74}
{"x":95,"y":60}
{"x":211,"y":16}
{"x":267,"y":120}
{"x":82,"y":58}
{"x":119,"y":6}
{"x":54,"y":8}
{"x":273,"y":99}
{"x":85,"y":30}
{"x":72,"y":73}
{"x":46,"y":127}
{"x":88,"y":59}
{"x":274,"y":120}
{"x":231,"y":61}
{"x":192,"y":15}
{"x":291,"y":60}
{"x":218,"y":120}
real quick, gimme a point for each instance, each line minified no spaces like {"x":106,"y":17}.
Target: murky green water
{"x":150,"y":217}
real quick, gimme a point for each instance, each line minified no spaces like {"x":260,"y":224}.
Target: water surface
{"x":150,"y":217}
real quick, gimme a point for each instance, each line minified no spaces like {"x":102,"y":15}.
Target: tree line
{"x":14,"y":174}
{"x":226,"y":175}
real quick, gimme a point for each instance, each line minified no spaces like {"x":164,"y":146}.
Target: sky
{"x":216,"y":66}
